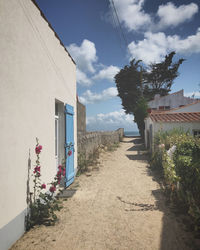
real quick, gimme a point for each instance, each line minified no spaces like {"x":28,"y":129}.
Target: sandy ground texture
{"x":119,"y":205}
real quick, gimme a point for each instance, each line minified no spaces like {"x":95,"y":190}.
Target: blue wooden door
{"x":69,"y":144}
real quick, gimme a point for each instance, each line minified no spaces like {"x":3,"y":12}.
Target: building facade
{"x":155,"y":122}
{"x":173,"y":100}
{"x":37,"y":99}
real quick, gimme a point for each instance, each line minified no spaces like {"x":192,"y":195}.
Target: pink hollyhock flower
{"x":161,"y":146}
{"x":43,"y":186}
{"x":69,"y":152}
{"x":52,"y":189}
{"x":38,"y":149}
{"x":59,"y":174}
{"x":36,"y":169}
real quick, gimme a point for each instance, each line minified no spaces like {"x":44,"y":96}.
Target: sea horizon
{"x":131,"y":133}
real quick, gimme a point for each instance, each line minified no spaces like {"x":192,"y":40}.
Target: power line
{"x":119,"y":24}
{"x":117,"y":31}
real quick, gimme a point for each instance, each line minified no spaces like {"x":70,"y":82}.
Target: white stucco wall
{"x":148,"y":122}
{"x":186,"y":126}
{"x":160,"y":126}
{"x":173,"y":100}
{"x":34,"y":71}
{"x":190,"y":108}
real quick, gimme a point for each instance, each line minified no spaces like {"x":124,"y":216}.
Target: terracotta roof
{"x":175,"y":117}
{"x":50,"y":26}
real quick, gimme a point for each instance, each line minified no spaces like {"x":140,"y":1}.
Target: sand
{"x":118,"y":205}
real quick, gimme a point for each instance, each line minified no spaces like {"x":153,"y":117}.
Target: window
{"x":56,"y":137}
{"x":59,"y":132}
{"x":196,"y":133}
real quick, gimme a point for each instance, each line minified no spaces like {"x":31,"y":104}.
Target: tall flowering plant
{"x":44,"y":202}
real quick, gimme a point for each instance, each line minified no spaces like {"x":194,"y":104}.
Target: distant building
{"x":173,"y":100}
{"x":188,"y":122}
{"x":171,"y":111}
{"x":192,"y":107}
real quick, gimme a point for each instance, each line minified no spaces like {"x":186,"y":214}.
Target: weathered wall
{"x":35,"y":70}
{"x":90,"y":141}
{"x":81,"y":117}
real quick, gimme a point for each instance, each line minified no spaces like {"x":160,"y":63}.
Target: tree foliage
{"x":160,"y":76}
{"x":137,"y":84}
{"x":128,"y":86}
{"x":140,"y":113}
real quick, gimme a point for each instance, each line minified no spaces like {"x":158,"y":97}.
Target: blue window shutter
{"x":69,"y":143}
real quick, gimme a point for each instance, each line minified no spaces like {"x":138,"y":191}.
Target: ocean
{"x":131,"y":133}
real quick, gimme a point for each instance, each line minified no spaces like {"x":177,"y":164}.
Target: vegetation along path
{"x":117,"y":206}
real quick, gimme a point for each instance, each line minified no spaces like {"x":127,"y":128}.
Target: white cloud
{"x":195,"y":93}
{"x":134,"y":18}
{"x":172,"y":16}
{"x":189,"y":45}
{"x":107,"y":73}
{"x":131,"y":14}
{"x":90,"y":97}
{"x":156,"y":45}
{"x":111,"y":121}
{"x":82,"y":78}
{"x":85,"y":55}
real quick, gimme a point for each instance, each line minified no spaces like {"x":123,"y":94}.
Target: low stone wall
{"x":89,"y":142}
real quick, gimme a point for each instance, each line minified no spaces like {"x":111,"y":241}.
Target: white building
{"x":192,"y":107}
{"x":155,"y":122}
{"x":173,"y":100}
{"x":37,"y":99}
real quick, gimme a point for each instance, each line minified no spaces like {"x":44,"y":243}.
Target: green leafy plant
{"x":44,"y":204}
{"x":181,"y":170}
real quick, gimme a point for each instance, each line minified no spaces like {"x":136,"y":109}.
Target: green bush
{"x":156,"y":160}
{"x":182,"y":171}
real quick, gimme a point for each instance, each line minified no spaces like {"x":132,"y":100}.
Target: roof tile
{"x":175,"y":117}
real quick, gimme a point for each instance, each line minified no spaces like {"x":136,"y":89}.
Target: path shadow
{"x":138,"y":146}
{"x":138,"y":157}
{"x":173,"y":235}
{"x":70,"y":191}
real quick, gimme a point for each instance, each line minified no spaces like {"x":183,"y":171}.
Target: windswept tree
{"x":160,"y":76}
{"x":137,"y":85}
{"x":128,"y":84}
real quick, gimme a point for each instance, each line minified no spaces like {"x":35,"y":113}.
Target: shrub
{"x":43,"y":204}
{"x":182,"y":171}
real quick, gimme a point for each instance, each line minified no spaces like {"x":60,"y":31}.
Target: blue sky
{"x":90,"y":32}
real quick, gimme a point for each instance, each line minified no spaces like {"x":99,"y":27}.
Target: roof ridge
{"x":186,"y":105}
{"x":176,"y":117}
{"x":51,"y":27}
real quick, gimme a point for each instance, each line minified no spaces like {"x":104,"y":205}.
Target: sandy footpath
{"x":120,"y":206}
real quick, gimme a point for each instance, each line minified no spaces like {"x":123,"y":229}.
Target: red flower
{"x":43,"y":186}
{"x":69,"y":152}
{"x":36,"y":169}
{"x":38,"y":149}
{"x":52,"y":189}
